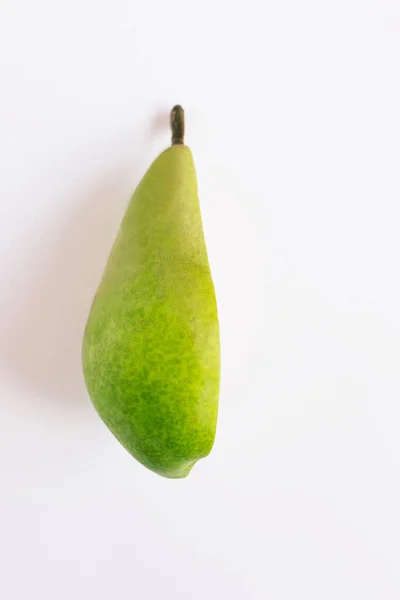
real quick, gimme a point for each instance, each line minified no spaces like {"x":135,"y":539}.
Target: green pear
{"x":151,"y":352}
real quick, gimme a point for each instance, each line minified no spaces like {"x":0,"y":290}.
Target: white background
{"x":293,"y":116}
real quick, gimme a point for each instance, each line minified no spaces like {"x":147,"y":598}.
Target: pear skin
{"x":151,"y":350}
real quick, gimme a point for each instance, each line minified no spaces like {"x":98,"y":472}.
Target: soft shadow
{"x":41,"y":335}
{"x":160,"y":123}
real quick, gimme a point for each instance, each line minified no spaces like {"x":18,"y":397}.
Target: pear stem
{"x":177,"y":121}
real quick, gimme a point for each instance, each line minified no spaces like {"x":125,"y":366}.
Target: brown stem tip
{"x":177,"y":125}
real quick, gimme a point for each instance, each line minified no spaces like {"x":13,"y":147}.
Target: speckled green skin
{"x":151,"y":355}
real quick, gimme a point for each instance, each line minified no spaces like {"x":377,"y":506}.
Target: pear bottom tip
{"x":176,"y":472}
